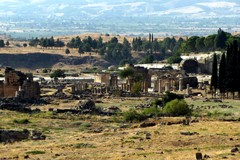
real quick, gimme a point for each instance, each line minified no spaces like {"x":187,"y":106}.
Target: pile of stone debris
{"x":20,"y":105}
{"x":10,"y":136}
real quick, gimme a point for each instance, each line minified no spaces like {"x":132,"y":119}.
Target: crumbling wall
{"x":30,"y":90}
{"x":11,"y":136}
{"x":7,"y":136}
{"x":18,"y":84}
{"x":10,"y":91}
{"x":1,"y":89}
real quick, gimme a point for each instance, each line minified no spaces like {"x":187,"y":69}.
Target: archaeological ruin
{"x":18,"y":84}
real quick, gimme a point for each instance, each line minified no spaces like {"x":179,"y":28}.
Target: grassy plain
{"x":84,"y":137}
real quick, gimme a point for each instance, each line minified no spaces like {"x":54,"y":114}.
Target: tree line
{"x":46,"y":42}
{"x":226,"y":77}
{"x":212,"y":42}
{"x":151,"y":48}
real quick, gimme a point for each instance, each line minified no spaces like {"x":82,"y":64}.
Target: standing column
{"x":180,"y":84}
{"x":167,"y":87}
{"x":187,"y":90}
{"x":159,"y":86}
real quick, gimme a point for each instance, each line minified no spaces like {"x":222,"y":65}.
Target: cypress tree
{"x":232,"y":76}
{"x":214,"y":79}
{"x":222,"y":74}
{"x":220,"y":39}
{"x":238,"y":72}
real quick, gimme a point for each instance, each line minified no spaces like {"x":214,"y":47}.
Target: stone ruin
{"x":172,"y":80}
{"x":104,"y":84}
{"x":10,"y":136}
{"x":146,"y":83}
{"x":161,"y":80}
{"x":18,"y":84}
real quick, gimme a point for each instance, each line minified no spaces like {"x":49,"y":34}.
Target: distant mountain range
{"x":100,"y":13}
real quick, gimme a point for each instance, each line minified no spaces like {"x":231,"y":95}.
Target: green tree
{"x":34,"y":42}
{"x":222,"y":74}
{"x":209,"y":42}
{"x":100,"y":42}
{"x":214,"y":78}
{"x":7,"y":43}
{"x":2,"y":44}
{"x":67,"y":51}
{"x":24,"y":45}
{"x":58,"y":73}
{"x":80,"y":50}
{"x":220,"y":39}
{"x":128,"y":72}
{"x":86,"y":47}
{"x":147,"y":59}
{"x":59,"y":43}
{"x":133,"y":116}
{"x":136,"y":88}
{"x":177,"y":108}
{"x":156,"y":46}
{"x":176,"y":58}
{"x":200,"y":46}
{"x":169,"y":97}
{"x":191,"y":44}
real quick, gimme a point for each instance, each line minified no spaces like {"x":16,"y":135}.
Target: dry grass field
{"x":89,"y":137}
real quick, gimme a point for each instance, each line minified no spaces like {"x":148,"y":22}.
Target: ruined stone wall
{"x":102,"y":78}
{"x":10,"y":135}
{"x":30,"y":89}
{"x":114,"y":81}
{"x":1,"y":89}
{"x":10,"y":90}
{"x":79,"y":87}
{"x":13,"y":77}
{"x":192,"y":81}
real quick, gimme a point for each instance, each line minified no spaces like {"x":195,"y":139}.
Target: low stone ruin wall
{"x":9,"y":136}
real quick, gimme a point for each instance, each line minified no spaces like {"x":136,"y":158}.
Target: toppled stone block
{"x":234,"y":150}
{"x":147,"y":124}
{"x":189,"y":133}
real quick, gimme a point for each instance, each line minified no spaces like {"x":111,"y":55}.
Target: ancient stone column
{"x":159,"y":86}
{"x":145,"y":86}
{"x":167,"y":88}
{"x":200,"y":85}
{"x":180,"y":84}
{"x":73,"y":89}
{"x":95,"y":91}
{"x":187,"y":90}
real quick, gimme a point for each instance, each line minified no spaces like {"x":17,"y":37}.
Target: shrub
{"x":177,"y":108}
{"x":133,"y":116}
{"x":151,"y":112}
{"x":67,"y":51}
{"x":84,"y":145}
{"x":136,"y":88}
{"x":86,"y":125}
{"x":21,"y":121}
{"x":168,"y":97}
{"x":156,"y":102}
{"x":58,"y":73}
